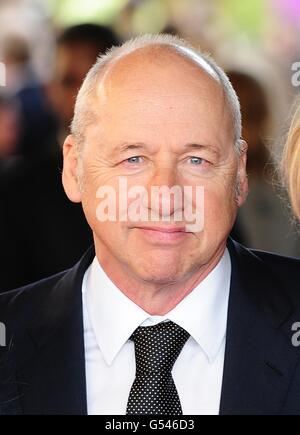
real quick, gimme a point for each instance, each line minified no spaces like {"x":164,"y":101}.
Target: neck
{"x":156,"y":298}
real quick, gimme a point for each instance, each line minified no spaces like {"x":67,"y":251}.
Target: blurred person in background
{"x":290,"y":164}
{"x":45,"y":233}
{"x":262,"y":221}
{"x":77,"y":50}
{"x":9,"y":129}
{"x":36,"y":118}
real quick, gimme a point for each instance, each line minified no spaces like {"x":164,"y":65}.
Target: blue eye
{"x":134,"y":160}
{"x":196,"y":160}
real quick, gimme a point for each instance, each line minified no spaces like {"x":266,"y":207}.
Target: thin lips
{"x":164,"y":230}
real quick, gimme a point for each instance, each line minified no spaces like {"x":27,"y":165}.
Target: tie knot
{"x":157,"y":347}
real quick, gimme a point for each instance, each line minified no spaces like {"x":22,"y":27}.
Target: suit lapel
{"x":259,"y":357}
{"x":50,"y":370}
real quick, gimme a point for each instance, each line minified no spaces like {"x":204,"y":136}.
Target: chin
{"x":160,"y":272}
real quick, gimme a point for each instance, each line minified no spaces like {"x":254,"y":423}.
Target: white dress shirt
{"x":110,"y":318}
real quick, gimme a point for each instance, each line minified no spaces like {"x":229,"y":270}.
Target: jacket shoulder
{"x":279,"y":263}
{"x":19,"y":305}
{"x":45,"y":300}
{"x":282,"y":270}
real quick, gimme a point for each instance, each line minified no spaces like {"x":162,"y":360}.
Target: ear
{"x":242,"y":175}
{"x":70,"y":170}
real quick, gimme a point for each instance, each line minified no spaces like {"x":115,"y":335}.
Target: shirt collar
{"x":114,"y":317}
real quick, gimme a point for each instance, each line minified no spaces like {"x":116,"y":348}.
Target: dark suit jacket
{"x":42,"y":369}
{"x":42,"y":231}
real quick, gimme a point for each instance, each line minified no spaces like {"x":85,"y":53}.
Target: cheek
{"x":100,"y":202}
{"x":219,"y":209}
{"x":106,"y":229}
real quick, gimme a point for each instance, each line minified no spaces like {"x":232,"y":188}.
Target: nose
{"x":164,"y":175}
{"x":165,"y":193}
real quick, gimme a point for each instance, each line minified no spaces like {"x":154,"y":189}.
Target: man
{"x":54,"y":232}
{"x":163,"y":315}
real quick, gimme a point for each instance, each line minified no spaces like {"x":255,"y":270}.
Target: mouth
{"x":163,"y":234}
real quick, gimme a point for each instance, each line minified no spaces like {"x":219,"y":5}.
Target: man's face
{"x":73,"y":62}
{"x":161,"y":123}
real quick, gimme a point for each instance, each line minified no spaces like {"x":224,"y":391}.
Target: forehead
{"x":157,"y":93}
{"x":157,"y":70}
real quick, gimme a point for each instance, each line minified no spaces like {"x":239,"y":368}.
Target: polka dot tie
{"x":156,"y":349}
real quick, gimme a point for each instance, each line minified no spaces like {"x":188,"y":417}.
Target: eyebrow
{"x":129,"y":146}
{"x":140,"y":145}
{"x":197,"y":146}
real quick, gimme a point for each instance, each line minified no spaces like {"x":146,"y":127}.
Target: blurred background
{"x":47,"y":47}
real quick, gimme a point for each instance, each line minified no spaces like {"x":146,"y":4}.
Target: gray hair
{"x":83,"y":114}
